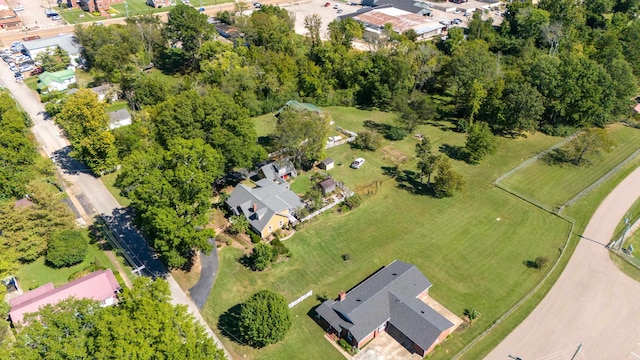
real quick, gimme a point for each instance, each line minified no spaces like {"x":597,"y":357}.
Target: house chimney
{"x":255,"y":207}
{"x":343,"y":295}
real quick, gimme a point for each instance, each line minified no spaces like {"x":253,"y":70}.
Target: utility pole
{"x":577,"y":351}
{"x":126,"y":9}
{"x":627,"y":221}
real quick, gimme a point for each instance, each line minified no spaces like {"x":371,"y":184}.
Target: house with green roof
{"x":300,"y":106}
{"x":59,"y":80}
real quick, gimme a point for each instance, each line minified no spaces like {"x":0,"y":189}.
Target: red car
{"x":327,"y":4}
{"x":37,"y":71}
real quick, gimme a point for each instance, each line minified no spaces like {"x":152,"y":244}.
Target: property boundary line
{"x":549,"y":209}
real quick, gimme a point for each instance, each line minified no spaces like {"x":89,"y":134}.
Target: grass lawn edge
{"x":503,"y":328}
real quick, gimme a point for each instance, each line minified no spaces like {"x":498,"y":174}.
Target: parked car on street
{"x":339,"y":11}
{"x":327,"y":4}
{"x":18,"y":8}
{"x":357,"y":163}
{"x":336,"y":6}
{"x":37,"y":71}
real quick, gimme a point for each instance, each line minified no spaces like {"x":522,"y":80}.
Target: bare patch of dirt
{"x":187,"y":279}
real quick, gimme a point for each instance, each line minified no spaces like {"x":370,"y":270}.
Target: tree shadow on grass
{"x":379,"y":127}
{"x":559,"y":157}
{"x":408,"y":180}
{"x":454,"y":152}
{"x":228,"y":323}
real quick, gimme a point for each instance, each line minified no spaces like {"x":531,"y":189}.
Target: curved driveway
{"x":592,"y":303}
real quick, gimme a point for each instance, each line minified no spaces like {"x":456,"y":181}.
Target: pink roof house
{"x":99,"y":285}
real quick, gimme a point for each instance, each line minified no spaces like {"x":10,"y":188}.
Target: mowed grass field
{"x":553,"y":185}
{"x":472,"y":247}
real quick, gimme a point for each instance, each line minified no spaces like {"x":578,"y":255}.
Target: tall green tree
{"x":86,"y":124}
{"x":480,"y":142}
{"x":188,"y":28}
{"x":426,"y":159}
{"x":343,"y":32}
{"x":264,"y":319}
{"x":53,"y":60}
{"x":447,"y":181}
{"x":591,"y":142}
{"x":301,"y":135}
{"x":171,"y":192}
{"x":17,"y":153}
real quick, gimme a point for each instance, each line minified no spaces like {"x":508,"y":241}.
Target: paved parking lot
{"x":33,"y":16}
{"x":303,"y":8}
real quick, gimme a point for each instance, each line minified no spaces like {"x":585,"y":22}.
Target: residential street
{"x":87,"y":190}
{"x":592,"y":303}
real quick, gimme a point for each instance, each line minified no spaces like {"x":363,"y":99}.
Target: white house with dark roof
{"x":268,"y":206}
{"x":392,"y":301}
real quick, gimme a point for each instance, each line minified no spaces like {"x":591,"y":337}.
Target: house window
{"x":280,"y":223}
{"x":270,"y":228}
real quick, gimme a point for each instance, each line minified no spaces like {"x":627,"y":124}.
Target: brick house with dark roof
{"x":390,"y":300}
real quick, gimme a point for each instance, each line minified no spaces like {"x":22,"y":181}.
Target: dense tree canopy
{"x":171,"y":191}
{"x":143,"y":325}
{"x":302,"y":135}
{"x":17,"y":153}
{"x":86,"y":124}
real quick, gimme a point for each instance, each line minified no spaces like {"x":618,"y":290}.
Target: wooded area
{"x":556,"y":67}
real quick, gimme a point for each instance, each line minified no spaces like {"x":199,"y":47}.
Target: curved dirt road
{"x":592,"y":302}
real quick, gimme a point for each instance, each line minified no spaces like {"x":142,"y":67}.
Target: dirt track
{"x":592,"y":302}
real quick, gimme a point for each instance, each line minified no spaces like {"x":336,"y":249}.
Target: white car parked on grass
{"x":357,"y":163}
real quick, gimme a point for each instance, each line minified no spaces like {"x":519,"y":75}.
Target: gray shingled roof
{"x":388,"y":295}
{"x":66,"y":42}
{"x":269,"y":197}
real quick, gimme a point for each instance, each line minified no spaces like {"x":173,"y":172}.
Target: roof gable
{"x":99,"y":285}
{"x":390,"y":294}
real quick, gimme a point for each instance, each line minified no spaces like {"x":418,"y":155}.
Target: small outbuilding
{"x":119,"y":118}
{"x":327,"y":164}
{"x":328,"y":186}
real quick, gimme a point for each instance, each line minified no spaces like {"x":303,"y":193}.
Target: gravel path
{"x":592,"y":303}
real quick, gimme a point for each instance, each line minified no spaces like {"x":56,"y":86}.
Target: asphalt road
{"x":95,"y":197}
{"x":592,"y":303}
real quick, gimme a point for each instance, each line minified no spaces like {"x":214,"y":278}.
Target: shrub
{"x":367,"y":140}
{"x":541,"y":261}
{"x":346,"y":257}
{"x":353,"y":201}
{"x":86,"y":271}
{"x":471,"y":313}
{"x":345,"y":345}
{"x":395,"y":133}
{"x":279,"y":248}
{"x":262,"y":256}
{"x":255,"y":238}
{"x":239,"y":224}
{"x":66,"y":248}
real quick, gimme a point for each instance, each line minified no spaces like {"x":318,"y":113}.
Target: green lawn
{"x":32,"y":82}
{"x":37,"y":273}
{"x":301,"y":184}
{"x":581,"y":212}
{"x":109,"y":181}
{"x":553,"y":185}
{"x":118,"y":105}
{"x":84,"y":78}
{"x":76,"y":16}
{"x":472,"y":247}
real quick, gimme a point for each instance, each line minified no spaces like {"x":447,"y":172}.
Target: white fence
{"x":300,"y":299}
